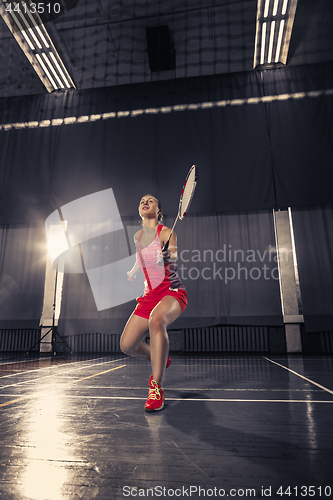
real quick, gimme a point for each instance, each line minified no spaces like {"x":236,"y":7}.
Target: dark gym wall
{"x":255,"y":152}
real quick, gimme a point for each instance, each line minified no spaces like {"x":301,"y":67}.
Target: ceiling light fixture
{"x":275,"y":19}
{"x":32,"y":36}
{"x":46,"y":71}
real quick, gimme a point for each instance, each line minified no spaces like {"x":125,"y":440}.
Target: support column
{"x":51,"y":305}
{"x":289,"y":282}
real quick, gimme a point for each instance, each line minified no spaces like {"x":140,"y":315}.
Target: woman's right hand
{"x":131,"y":277}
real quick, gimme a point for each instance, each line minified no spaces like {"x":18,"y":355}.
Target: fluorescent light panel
{"x":275,"y":20}
{"x":52,"y":70}
{"x":40,"y":60}
{"x":55,"y":62}
{"x":284,"y":7}
{"x":263,"y":40}
{"x":25,"y":22}
{"x":42,"y":52}
{"x":278,"y":47}
{"x":20,"y":27}
{"x":271,"y":39}
{"x":275,"y":8}
{"x":37,"y":28}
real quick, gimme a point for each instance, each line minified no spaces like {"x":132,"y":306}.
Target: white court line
{"x":54,"y":374}
{"x":170,"y":389}
{"x":11,"y":395}
{"x":207,"y":400}
{"x":299,"y":375}
{"x":184,"y":389}
{"x":41,"y":359}
{"x":22,"y":361}
{"x":26,"y":372}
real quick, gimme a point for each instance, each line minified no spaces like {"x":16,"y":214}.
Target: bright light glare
{"x":43,"y":479}
{"x":48,"y":449}
{"x":56,"y":240}
{"x":266,"y":8}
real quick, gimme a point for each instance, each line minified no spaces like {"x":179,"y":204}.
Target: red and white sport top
{"x":159,"y":275}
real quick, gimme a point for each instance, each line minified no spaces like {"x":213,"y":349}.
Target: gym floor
{"x":242,"y":426}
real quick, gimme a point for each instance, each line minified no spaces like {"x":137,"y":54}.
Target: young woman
{"x":164,"y":298}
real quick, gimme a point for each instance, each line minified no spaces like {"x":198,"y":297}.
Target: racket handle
{"x":166,"y":246}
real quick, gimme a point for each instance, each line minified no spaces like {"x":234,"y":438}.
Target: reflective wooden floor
{"x":233,"y":426}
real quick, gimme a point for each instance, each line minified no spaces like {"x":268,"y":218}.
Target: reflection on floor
{"x":240,"y":425}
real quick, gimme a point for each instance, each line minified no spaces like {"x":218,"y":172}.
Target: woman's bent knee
{"x":155,"y":322}
{"x":126,"y":348}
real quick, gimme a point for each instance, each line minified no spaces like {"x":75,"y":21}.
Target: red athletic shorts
{"x":147,"y":303}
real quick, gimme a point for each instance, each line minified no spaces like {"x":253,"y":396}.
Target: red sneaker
{"x":167,"y":366}
{"x":155,"y":399}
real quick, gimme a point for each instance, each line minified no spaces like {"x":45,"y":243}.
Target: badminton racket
{"x":185,"y":198}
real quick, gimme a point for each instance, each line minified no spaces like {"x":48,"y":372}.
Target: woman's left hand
{"x":166,"y":255}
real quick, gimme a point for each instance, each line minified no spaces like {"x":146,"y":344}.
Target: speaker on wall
{"x":161,"y":52}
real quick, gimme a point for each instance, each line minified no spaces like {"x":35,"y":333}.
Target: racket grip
{"x":166,"y":246}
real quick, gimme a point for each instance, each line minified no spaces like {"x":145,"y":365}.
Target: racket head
{"x":187,"y":191}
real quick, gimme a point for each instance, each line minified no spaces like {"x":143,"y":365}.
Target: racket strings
{"x":185,"y":198}
{"x":187,"y":192}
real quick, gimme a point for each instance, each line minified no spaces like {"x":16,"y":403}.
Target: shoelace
{"x":154,"y":393}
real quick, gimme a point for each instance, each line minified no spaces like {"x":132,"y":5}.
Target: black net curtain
{"x":254,"y":154}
